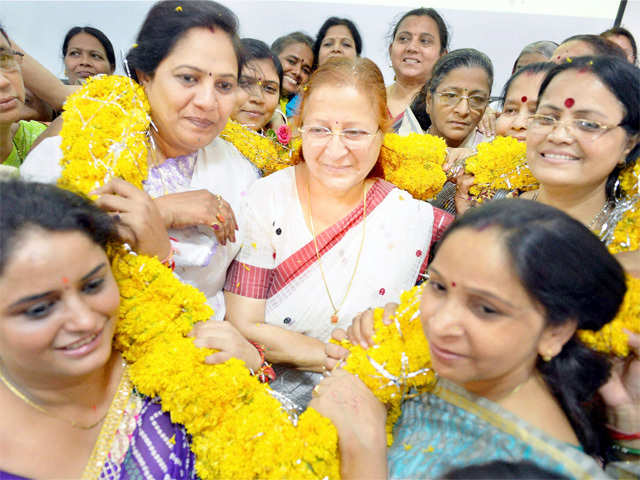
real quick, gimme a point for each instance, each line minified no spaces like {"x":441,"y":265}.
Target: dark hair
{"x":461,"y":58}
{"x":280,"y":43}
{"x":28,"y":204}
{"x":98,"y":35}
{"x":532,"y":68}
{"x":335,"y":22}
{"x":569,"y":272}
{"x":622,"y":79}
{"x":599,"y":45}
{"x":500,"y":469}
{"x":253,"y":49}
{"x":542,"y":47}
{"x":623,"y":32}
{"x":4,"y":34}
{"x":168,"y":21}
{"x":443,"y":32}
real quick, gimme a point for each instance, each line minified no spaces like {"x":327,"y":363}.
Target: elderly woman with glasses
{"x":16,"y":137}
{"x":327,"y":238}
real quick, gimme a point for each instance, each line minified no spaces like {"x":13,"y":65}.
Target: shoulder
{"x":278,"y":185}
{"x":220,"y":151}
{"x":43,"y":162}
{"x":31,"y":128}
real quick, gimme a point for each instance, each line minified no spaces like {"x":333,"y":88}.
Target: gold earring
{"x":547,"y":357}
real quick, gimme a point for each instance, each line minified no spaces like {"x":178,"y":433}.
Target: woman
{"x":187,"y":62}
{"x":62,"y":386}
{"x":624,"y":39}
{"x":259,"y":82}
{"x":16,"y":135}
{"x":337,"y":37}
{"x":586,"y":45}
{"x":295,"y":52}
{"x":419,"y":38}
{"x":536,"y":52}
{"x":510,"y":284}
{"x":309,"y":232}
{"x":519,"y":100}
{"x":86,"y":52}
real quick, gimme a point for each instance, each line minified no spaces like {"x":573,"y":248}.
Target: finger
{"x":356,"y":331}
{"x":366,"y":327}
{"x":331,"y":363}
{"x":336,"y":351}
{"x":634,"y":341}
{"x":216,"y":358}
{"x":117,"y":186}
{"x":339,"y":334}
{"x":114,"y":203}
{"x":233,"y":217}
{"x":126,"y":234}
{"x":389,"y":312}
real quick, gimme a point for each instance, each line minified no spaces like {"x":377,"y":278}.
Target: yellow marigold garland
{"x":500,"y":164}
{"x":238,"y":429}
{"x":266,"y":154}
{"x":414,"y":163}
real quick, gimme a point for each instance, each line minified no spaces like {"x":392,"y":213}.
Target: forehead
{"x":262,"y":69}
{"x":338,"y":31}
{"x":585,"y":88}
{"x":574,"y":48}
{"x":300,"y":50}
{"x":205,"y":49}
{"x":526,"y":82}
{"x":469,"y":78}
{"x":85,"y":40}
{"x":419,"y":24}
{"x":344,"y":101}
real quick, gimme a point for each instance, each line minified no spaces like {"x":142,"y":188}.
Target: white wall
{"x":500,"y":28}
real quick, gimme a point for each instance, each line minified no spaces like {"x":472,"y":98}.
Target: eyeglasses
{"x":590,"y":129}
{"x":476,"y":102}
{"x":10,"y":60}
{"x":353,"y":137}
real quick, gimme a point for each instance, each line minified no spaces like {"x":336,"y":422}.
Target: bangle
{"x":168,"y":261}
{"x":265,"y":373}
{"x":626,"y":450}
{"x":618,"y":435}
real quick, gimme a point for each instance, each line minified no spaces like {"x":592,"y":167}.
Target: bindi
{"x":524,"y":99}
{"x":569,"y":102}
{"x":65,"y":282}
{"x":453,"y":284}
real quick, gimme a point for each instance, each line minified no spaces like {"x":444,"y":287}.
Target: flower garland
{"x":265,"y":152}
{"x":238,"y":429}
{"x":500,"y":164}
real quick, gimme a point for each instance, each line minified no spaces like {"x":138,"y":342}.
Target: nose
{"x":4,"y":81}
{"x":560,"y":133}
{"x":335,"y":146}
{"x":205,"y":97}
{"x":462,"y":107}
{"x":413,"y":45}
{"x":520,"y":122}
{"x":297,"y":70}
{"x":86,"y":59}
{"x":80,"y":316}
{"x":444,"y":321}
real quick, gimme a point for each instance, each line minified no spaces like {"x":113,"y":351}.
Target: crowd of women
{"x":302,"y":255}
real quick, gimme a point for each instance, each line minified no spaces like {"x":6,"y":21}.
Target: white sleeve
{"x":43,"y":162}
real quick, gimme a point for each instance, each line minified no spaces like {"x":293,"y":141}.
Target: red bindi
{"x":453,"y":284}
{"x":569,"y":102}
{"x":524,"y":99}
{"x":65,"y":280}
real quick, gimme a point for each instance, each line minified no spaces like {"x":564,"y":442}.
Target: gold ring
{"x":316,"y":390}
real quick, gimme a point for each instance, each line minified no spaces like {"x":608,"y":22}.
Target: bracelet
{"x":265,"y":373}
{"x":626,"y":450}
{"x":618,"y":435}
{"x":168,"y":261}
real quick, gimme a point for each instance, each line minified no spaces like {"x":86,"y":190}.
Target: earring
{"x":547,"y":357}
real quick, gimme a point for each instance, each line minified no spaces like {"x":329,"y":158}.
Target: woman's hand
{"x":360,"y":332}
{"x":454,"y":163}
{"x":228,"y":340}
{"x":487,"y":124}
{"x":199,"y":207}
{"x":360,"y":420}
{"x":462,"y":198}
{"x":621,"y":393}
{"x":137,"y":218}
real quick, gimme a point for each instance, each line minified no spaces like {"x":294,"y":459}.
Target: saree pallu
{"x":278,"y":261}
{"x":450,"y":428}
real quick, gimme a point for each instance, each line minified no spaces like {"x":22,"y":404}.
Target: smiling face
{"x":415,"y":48}
{"x":455,"y":122}
{"x":484,"y":330}
{"x":337,"y":165}
{"x":193,"y":91}
{"x":58,"y":312}
{"x":85,"y":57}
{"x":566,"y":157}
{"x":519,"y":104}
{"x":258,"y":94}
{"x":297,"y":61}
{"x":12,"y":91}
{"x":337,"y":42}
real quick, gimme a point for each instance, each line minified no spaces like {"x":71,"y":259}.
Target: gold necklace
{"x":334,"y":317}
{"x":595,"y":220}
{"x":13,"y":389}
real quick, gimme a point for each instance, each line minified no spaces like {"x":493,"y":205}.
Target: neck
{"x":163,"y":150}
{"x":86,"y":391}
{"x":504,"y":388}
{"x":406,"y":86}
{"x":583,"y":204}
{"x":6,"y":141}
